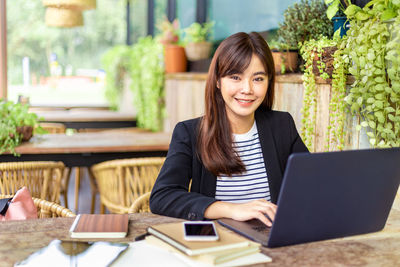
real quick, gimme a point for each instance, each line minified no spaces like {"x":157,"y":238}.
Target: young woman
{"x":235,"y":155}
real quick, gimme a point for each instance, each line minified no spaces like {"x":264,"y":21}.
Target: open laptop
{"x":329,"y":195}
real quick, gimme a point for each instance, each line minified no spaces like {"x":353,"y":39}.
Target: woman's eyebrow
{"x":259,"y":73}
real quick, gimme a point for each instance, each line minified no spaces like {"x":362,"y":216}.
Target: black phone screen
{"x":197,"y":229}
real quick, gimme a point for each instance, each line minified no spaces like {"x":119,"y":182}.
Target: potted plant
{"x":174,"y":53}
{"x":16,"y":125}
{"x":285,"y":58}
{"x":336,"y":12}
{"x":304,"y":21}
{"x":196,"y":45}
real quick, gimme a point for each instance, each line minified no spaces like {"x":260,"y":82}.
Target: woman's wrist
{"x":219,"y":209}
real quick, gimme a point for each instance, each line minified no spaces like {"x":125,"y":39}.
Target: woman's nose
{"x":246,"y":86}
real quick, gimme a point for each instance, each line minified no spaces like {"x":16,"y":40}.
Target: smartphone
{"x":200,"y":231}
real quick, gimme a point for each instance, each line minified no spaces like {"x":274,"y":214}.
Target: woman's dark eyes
{"x":259,"y":79}
{"x":235,"y":77}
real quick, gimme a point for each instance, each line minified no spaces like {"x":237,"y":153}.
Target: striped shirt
{"x":253,"y":183}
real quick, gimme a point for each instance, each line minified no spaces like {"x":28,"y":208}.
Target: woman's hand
{"x":257,"y":209}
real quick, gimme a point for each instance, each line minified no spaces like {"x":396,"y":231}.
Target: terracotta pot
{"x":174,"y":58}
{"x":288,"y":58}
{"x":197,"y":51}
{"x":25,"y":131}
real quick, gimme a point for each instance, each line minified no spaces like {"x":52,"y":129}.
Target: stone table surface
{"x":19,"y":239}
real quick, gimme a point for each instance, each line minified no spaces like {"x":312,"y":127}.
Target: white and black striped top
{"x":252,"y":184}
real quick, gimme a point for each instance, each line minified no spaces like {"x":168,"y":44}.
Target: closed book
{"x":100,"y":226}
{"x":212,"y":258}
{"x":172,"y":233}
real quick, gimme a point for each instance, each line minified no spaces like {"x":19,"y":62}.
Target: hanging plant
{"x":312,"y":52}
{"x":337,"y":105}
{"x":375,"y":94}
{"x":324,"y":58}
{"x":147,"y":73}
{"x":115,"y":63}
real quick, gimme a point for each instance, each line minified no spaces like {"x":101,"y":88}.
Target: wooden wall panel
{"x":184,"y":95}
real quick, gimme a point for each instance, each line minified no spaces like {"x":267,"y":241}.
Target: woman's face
{"x":244,"y":92}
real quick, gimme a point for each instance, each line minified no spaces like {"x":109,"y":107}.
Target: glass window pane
{"x":62,"y":66}
{"x":233,"y":16}
{"x":186,"y":12}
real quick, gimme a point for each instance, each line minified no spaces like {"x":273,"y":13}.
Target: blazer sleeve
{"x":170,"y":196}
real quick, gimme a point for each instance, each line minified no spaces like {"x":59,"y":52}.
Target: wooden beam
{"x":3,"y":50}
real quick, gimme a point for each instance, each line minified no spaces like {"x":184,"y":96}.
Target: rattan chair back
{"x":141,"y":204}
{"x":121,"y":182}
{"x":48,"y":209}
{"x":42,"y":178}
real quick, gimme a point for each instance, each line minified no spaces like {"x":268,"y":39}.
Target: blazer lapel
{"x":270,"y":154}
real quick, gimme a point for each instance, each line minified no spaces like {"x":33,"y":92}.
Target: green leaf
{"x":351,"y":10}
{"x":364,"y":124}
{"x":358,"y":128}
{"x":331,"y":11}
{"x":372,"y":124}
{"x":388,"y":14}
{"x":362,"y":16}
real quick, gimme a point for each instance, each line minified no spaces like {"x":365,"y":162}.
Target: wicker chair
{"x":59,"y":128}
{"x":141,"y":204}
{"x":48,"y":209}
{"x":121,"y":182}
{"x":42,"y":178}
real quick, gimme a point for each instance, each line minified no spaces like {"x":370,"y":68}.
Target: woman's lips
{"x":244,"y":102}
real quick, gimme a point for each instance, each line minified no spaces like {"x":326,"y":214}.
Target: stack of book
{"x":227,"y":248}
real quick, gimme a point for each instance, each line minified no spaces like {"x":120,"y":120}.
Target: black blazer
{"x":278,"y":137}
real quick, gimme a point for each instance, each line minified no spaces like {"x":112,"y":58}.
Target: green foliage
{"x":116,"y":62}
{"x":13,"y":116}
{"x":337,"y":105}
{"x":197,"y":32}
{"x":335,"y":6}
{"x":311,"y":50}
{"x":304,"y":21}
{"x":28,"y":36}
{"x":375,"y":94}
{"x":143,"y":63}
{"x":147,"y":73}
{"x":169,"y":31}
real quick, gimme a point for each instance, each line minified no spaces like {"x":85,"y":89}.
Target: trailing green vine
{"x":143,"y":63}
{"x":115,"y":63}
{"x":312,"y":51}
{"x":147,"y":73}
{"x":337,"y":105}
{"x":375,"y":94}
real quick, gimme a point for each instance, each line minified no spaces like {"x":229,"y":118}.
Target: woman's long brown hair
{"x":214,"y":142}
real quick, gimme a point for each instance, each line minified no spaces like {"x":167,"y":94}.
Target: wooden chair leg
{"x":77,"y":185}
{"x":94,"y":190}
{"x":67,"y":175}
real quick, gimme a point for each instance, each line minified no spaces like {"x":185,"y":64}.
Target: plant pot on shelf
{"x":341,"y":23}
{"x":198,"y":51}
{"x":174,"y":58}
{"x":286,"y":58}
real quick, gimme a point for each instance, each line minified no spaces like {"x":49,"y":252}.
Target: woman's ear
{"x":218,"y":86}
